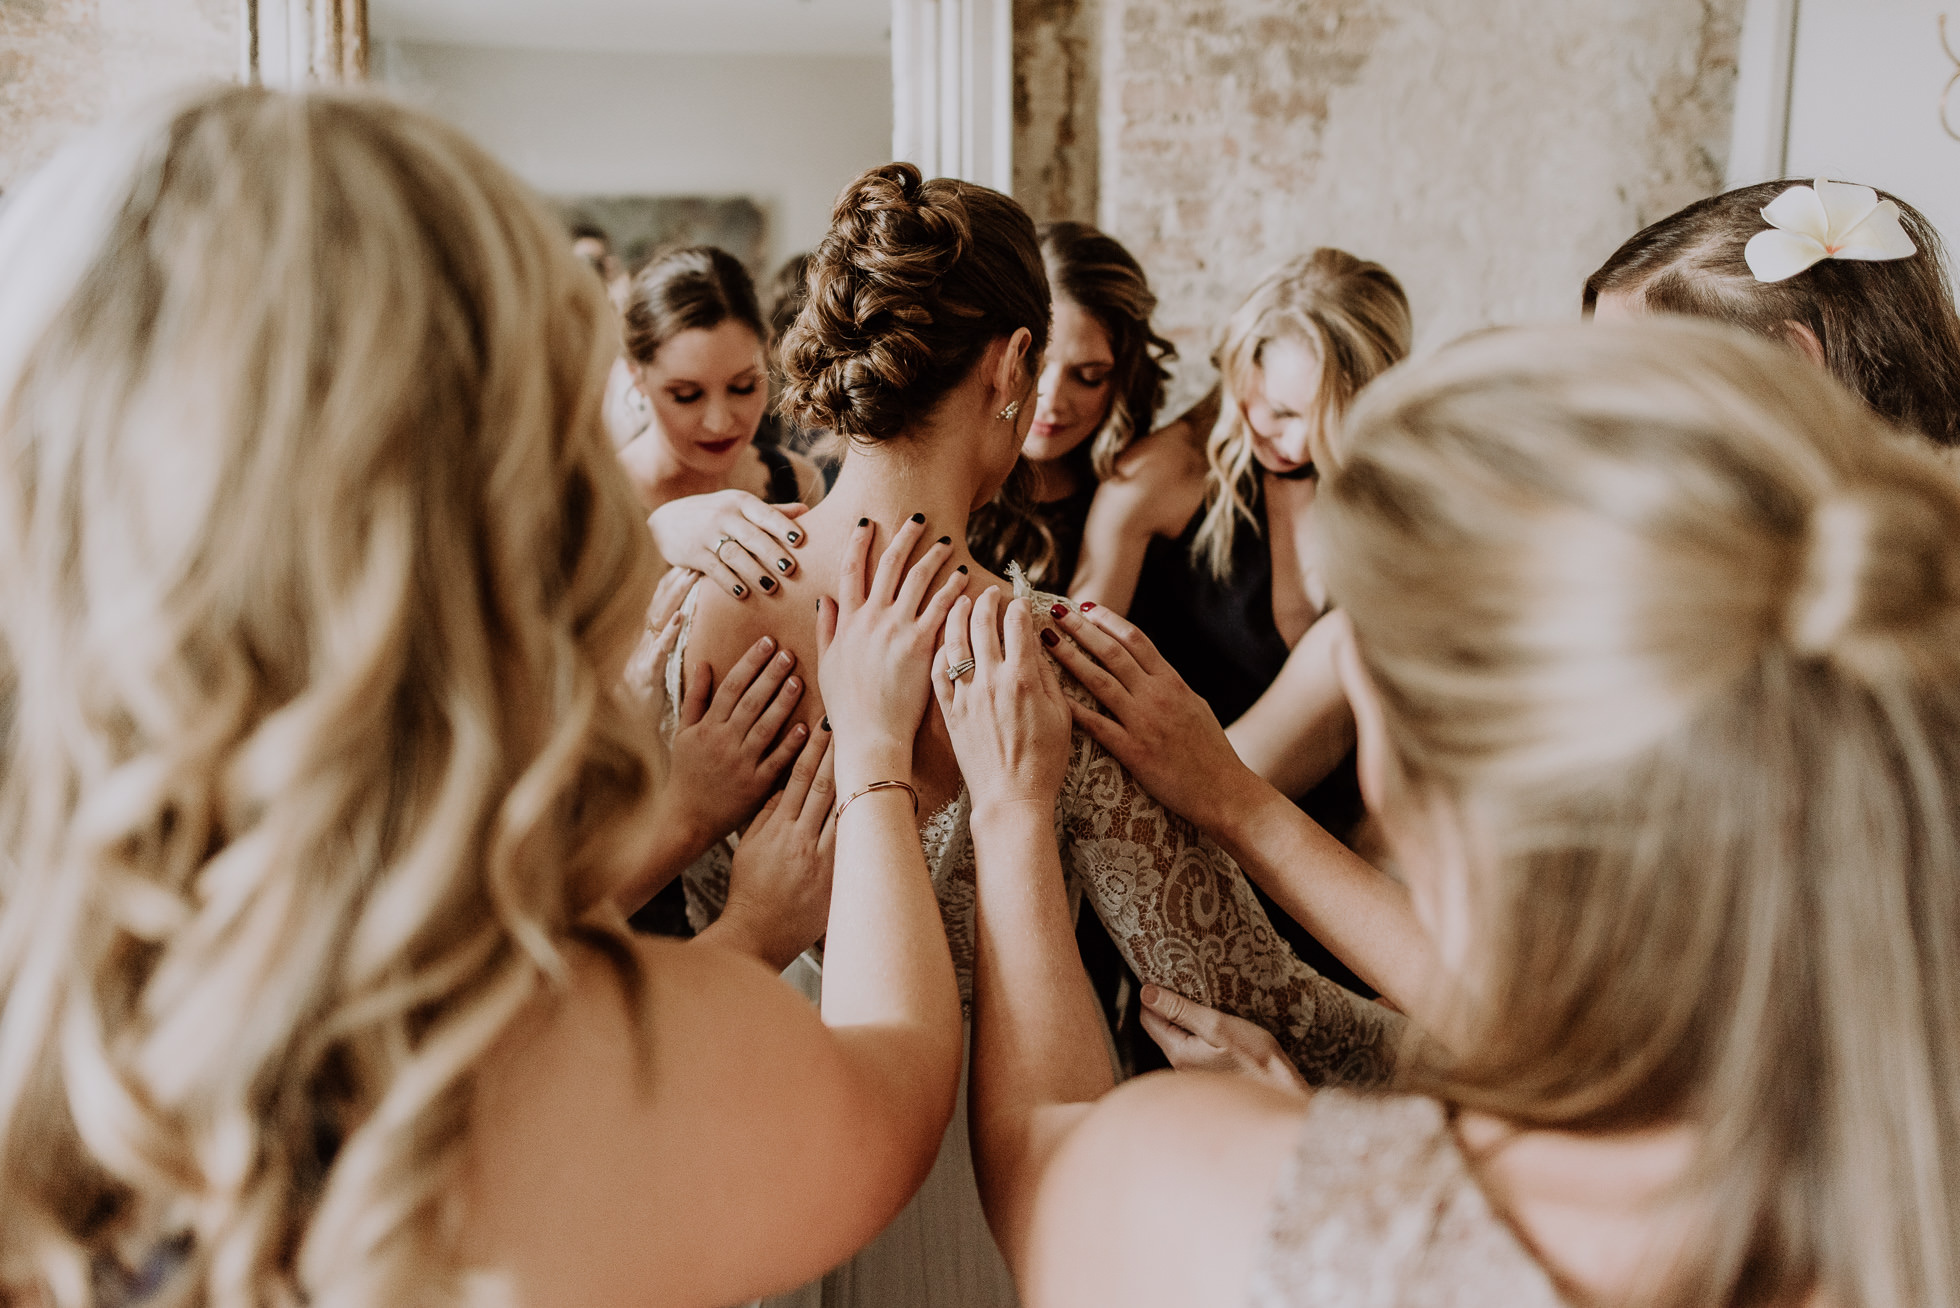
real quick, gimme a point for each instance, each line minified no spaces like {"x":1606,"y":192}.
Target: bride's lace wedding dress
{"x":1184,"y":917}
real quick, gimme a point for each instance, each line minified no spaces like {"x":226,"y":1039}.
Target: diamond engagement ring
{"x":958,"y":670}
{"x":716,"y":551}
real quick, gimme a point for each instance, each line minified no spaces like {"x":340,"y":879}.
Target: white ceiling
{"x":727,"y":26}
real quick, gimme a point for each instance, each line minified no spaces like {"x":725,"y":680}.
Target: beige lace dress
{"x":1184,"y":917}
{"x":1377,"y":1208}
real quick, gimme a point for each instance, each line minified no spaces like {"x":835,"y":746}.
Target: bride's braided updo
{"x":906,"y":290}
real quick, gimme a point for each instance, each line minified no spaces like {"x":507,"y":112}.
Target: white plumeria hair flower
{"x":1830,"y":220}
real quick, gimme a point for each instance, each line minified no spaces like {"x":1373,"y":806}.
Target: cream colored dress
{"x":1377,"y":1208}
{"x":1184,"y":917}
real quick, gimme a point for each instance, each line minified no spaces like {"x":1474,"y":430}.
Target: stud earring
{"x":1008,"y":414}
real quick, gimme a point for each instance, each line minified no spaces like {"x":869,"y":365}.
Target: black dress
{"x":1221,"y":638}
{"x":666,"y":913}
{"x":1065,"y":518}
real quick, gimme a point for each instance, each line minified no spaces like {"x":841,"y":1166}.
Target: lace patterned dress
{"x":1378,"y":1208}
{"x":1184,"y":917}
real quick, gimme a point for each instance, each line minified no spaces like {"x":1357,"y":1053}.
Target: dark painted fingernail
{"x":740,"y":590}
{"x":796,"y":538}
{"x":864,"y":522}
{"x":961,"y":568}
{"x":1058,"y":611}
{"x":945,"y":540}
{"x":918,"y":517}
{"x":1087,"y":605}
{"x":782,"y":565}
{"x":825,"y":724}
{"x":767,"y":583}
{"x":1050,"y":639}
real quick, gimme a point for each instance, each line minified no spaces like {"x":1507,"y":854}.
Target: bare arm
{"x":1300,"y":728}
{"x":1038,"y":1052}
{"x":1158,"y":484}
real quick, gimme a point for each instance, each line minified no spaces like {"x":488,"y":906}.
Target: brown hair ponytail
{"x":1888,"y":329}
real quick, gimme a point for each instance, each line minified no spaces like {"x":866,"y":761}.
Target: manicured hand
{"x":731,"y":537}
{"x":779,"y":886}
{"x":730,"y":750}
{"x":1007,"y":715}
{"x":1160,"y":729}
{"x":646,"y":670}
{"x":1200,"y":1039}
{"x":875,"y":643}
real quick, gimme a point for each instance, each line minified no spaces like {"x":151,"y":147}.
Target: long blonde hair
{"x":1676,"y":621}
{"x":316,"y":573}
{"x":1355,"y":318}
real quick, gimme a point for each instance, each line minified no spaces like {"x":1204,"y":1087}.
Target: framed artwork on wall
{"x":639,"y":225}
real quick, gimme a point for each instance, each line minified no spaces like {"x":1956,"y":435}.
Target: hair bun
{"x":912,"y":279}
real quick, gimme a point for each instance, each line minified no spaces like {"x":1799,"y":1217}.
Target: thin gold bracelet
{"x":881,"y":785}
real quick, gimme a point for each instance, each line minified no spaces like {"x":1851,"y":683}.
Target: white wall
{"x":785,"y":130}
{"x":1865,"y":101}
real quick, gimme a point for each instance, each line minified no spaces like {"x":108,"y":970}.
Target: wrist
{"x":1234,"y":806}
{"x":680,"y":826}
{"x":862,"y":761}
{"x":1011,"y":812}
{"x":733,"y":930}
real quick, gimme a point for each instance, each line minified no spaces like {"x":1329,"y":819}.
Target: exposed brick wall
{"x":1056,"y":94}
{"x":66,"y":63}
{"x":1490,"y":153}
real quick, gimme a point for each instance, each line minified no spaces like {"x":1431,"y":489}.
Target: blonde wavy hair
{"x":1676,"y":620}
{"x":316,"y":575}
{"x":1355,"y":318}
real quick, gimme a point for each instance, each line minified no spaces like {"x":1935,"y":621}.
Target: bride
{"x":927,"y":317}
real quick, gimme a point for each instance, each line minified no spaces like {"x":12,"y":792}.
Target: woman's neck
{"x":659,"y":478}
{"x":889,"y":485}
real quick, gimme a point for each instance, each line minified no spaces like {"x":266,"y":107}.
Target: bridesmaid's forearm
{"x":888,"y":993}
{"x":1358,"y":911}
{"x":1038,"y":1043}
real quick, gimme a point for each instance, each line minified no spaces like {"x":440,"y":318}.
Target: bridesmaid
{"x":1884,"y":326}
{"x":1674,"y":784}
{"x":697,"y":345}
{"x":319,"y":573}
{"x":1207,"y":540}
{"x":1102,"y":382}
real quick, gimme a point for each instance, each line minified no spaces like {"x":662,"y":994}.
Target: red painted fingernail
{"x":1050,"y":639}
{"x":1058,"y":610}
{"x":1087,"y":605}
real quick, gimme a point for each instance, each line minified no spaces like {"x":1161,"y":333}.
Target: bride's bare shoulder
{"x":724,"y":629}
